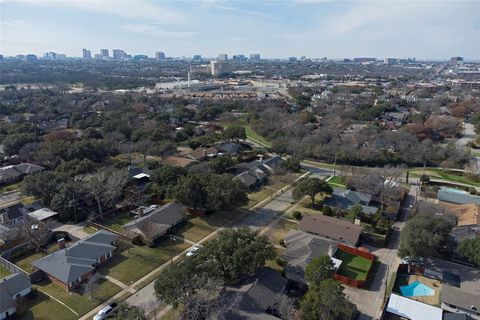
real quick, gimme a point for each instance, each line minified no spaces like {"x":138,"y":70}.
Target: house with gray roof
{"x":457,"y":196}
{"x":255,"y":297}
{"x":72,"y":265}
{"x":302,"y":247}
{"x":345,"y":199}
{"x":13,"y":288}
{"x":14,"y":173}
{"x":156,"y":223}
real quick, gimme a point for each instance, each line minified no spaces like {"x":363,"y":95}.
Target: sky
{"x":274,"y":28}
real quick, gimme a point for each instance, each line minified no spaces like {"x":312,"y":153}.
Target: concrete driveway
{"x":468,"y":135}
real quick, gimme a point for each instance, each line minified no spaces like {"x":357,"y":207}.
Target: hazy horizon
{"x":275,"y":29}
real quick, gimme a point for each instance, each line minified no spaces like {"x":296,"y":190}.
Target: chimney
{"x":61,"y":243}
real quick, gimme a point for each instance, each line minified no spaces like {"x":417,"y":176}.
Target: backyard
{"x":336,"y":182}
{"x":4,"y":272}
{"x":25,"y":261}
{"x":403,"y":280}
{"x":116,"y":221}
{"x":353,"y":267}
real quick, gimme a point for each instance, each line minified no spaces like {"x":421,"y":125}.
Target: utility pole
{"x":335,"y":165}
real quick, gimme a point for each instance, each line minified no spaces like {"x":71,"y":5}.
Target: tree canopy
{"x":470,"y":249}
{"x":319,"y":269}
{"x":425,"y":236}
{"x":311,"y":187}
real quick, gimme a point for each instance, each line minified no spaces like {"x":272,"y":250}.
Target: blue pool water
{"x":416,"y":289}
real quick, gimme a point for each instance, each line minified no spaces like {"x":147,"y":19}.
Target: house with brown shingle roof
{"x":339,"y":230}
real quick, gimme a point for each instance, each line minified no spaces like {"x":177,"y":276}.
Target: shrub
{"x":138,"y":241}
{"x":282,"y":243}
{"x":280,"y":261}
{"x":327,"y":211}
{"x":297,"y":215}
{"x":472,"y":190}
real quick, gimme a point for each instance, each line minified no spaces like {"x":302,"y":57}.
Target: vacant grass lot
{"x":196,"y":228}
{"x":252,"y":135}
{"x":25,"y":262}
{"x":353,"y":267}
{"x":42,"y":307}
{"x":81,"y":302}
{"x":4,"y":272}
{"x":137,"y":261}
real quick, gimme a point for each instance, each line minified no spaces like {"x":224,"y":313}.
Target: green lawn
{"x":81,"y":302}
{"x":195,"y":229}
{"x":442,"y":174}
{"x":42,"y":307}
{"x":353,"y":267}
{"x":138,"y":261}
{"x":252,"y":135}
{"x":117,"y":221}
{"x":4,"y":272}
{"x":25,"y":262}
{"x":89,"y":230}
{"x":337,"y":181}
{"x":279,"y":230}
{"x":319,"y":164}
{"x":10,"y":187}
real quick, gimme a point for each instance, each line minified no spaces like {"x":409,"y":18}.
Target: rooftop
{"x":332,"y":228}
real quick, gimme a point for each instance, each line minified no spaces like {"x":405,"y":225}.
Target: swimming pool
{"x":416,"y":289}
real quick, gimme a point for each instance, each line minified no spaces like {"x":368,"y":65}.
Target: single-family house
{"x":13,"y":288}
{"x":157,"y":222}
{"x":202,"y":154}
{"x":14,"y":214}
{"x":70,"y":266}
{"x":301,"y":248}
{"x":257,"y":296}
{"x":345,"y":199}
{"x":457,"y":196}
{"x":399,"y":307}
{"x":14,"y":173}
{"x":178,"y":162}
{"x":339,"y":230}
{"x":461,"y":286}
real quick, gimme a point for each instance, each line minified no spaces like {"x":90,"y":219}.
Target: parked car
{"x":192,"y":251}
{"x":105,"y":312}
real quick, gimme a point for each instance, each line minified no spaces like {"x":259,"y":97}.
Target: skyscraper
{"x":223,"y":57}
{"x":254,"y":57}
{"x":119,"y":54}
{"x":160,"y":55}
{"x":104,"y":53}
{"x":86,"y":54}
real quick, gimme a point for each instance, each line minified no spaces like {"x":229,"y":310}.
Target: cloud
{"x":13,"y":23}
{"x":247,"y":12}
{"x":132,"y":9}
{"x":239,"y":39}
{"x":154,"y":31}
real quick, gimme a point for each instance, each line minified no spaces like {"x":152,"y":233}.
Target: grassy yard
{"x":173,"y":314}
{"x":319,"y":164}
{"x":274,"y":184}
{"x":353,"y":267}
{"x":81,"y":302}
{"x":197,"y":228}
{"x":337,"y":182}
{"x":42,"y":307}
{"x":305,"y":207}
{"x":10,"y":187}
{"x":279,"y":230}
{"x":136,"y":262}
{"x":116,"y":221}
{"x":25,"y":262}
{"x":89,"y":230}
{"x":4,"y":272}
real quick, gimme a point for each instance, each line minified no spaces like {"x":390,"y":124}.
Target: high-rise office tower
{"x":86,"y":54}
{"x":223,"y":57}
{"x":119,"y":54}
{"x":160,"y":55}
{"x":104,"y":53}
{"x":254,"y":57}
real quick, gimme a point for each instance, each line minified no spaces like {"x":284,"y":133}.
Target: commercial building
{"x":86,"y":54}
{"x":30,"y":57}
{"x":223,"y":57}
{"x":255,"y":57}
{"x":239,"y":57}
{"x":104,"y":53}
{"x":119,"y":54}
{"x":197,"y":57}
{"x":160,"y":55}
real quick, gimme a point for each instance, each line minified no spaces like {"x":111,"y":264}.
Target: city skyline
{"x":426,"y":30}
